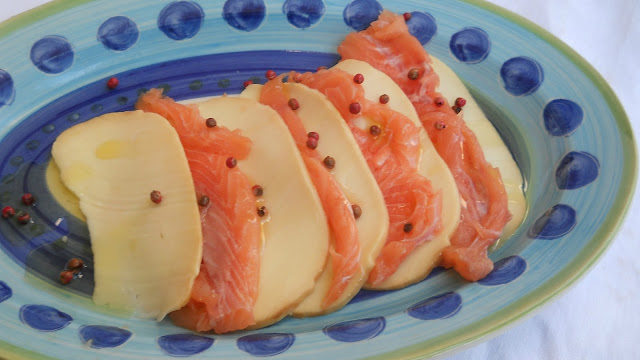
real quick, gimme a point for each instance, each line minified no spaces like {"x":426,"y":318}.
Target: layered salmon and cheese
{"x":290,"y":198}
{"x":388,"y":46}
{"x":352,"y":200}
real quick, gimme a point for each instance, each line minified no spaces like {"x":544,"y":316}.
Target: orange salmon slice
{"x":345,"y":247}
{"x":388,"y":46}
{"x":225,"y":291}
{"x":392,"y":155}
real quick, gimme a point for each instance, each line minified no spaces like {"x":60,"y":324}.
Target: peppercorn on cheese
{"x":352,"y":173}
{"x":424,"y":258}
{"x":295,"y":230}
{"x":494,"y":149}
{"x":146,"y":255}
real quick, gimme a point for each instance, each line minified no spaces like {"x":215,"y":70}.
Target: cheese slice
{"x":424,"y":258}
{"x":296,"y":234}
{"x":146,"y":255}
{"x":495,"y":151}
{"x":352,"y":174}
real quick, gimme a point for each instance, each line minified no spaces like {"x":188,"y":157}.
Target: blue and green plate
{"x":562,"y":122}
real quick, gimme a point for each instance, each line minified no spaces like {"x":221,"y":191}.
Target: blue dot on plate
{"x":422,"y":26}
{"x":5,"y":291}
{"x":118,"y":33}
{"x":184,"y":344}
{"x":303,"y":13}
{"x":521,"y":76}
{"x":181,"y":20}
{"x":576,"y":170}
{"x":267,"y":344}
{"x":359,"y":14}
{"x":356,"y":330}
{"x":73,"y":117}
{"x":52,"y":54}
{"x":556,"y":222}
{"x":99,"y":336}
{"x":470,"y":45}
{"x":562,"y":117}
{"x":7,"y":91}
{"x":245,"y":15}
{"x":437,"y":307}
{"x":505,"y":271}
{"x":44,"y":318}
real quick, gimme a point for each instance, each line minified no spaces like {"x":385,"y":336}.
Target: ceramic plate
{"x":565,"y":128}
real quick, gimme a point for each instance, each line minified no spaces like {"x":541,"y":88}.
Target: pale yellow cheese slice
{"x":352,"y":173}
{"x":423,"y":259}
{"x":65,"y":198}
{"x":296,"y":234}
{"x":146,"y":255}
{"x":495,"y":151}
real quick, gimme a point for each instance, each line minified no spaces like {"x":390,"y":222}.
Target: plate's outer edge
{"x":17,"y":353}
{"x":34,"y":15}
{"x":590,"y":254}
{"x":523,"y":307}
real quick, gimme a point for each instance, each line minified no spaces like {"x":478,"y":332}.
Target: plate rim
{"x":521,"y":308}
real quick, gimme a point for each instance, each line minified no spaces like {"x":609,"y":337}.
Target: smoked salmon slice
{"x":392,"y":155}
{"x":388,"y":46}
{"x":345,"y":247}
{"x":226,"y":288}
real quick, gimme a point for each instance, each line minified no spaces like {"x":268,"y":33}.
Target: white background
{"x":599,"y":318}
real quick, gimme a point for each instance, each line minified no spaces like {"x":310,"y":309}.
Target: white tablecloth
{"x":598,"y":318}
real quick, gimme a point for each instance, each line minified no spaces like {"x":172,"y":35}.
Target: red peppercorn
{"x":75,"y":265}
{"x":358,"y":78}
{"x":113,"y":83}
{"x":8,"y":212}
{"x":384,"y":98}
{"x":211,"y":122}
{"x":156,"y":197}
{"x":247,"y":83}
{"x":314,"y":135}
{"x":357,"y":210}
{"x":270,"y":74}
{"x":24,"y":218}
{"x":329,"y":162}
{"x":407,"y":227}
{"x":461,"y":102}
{"x":413,"y":74}
{"x":312,"y":143}
{"x":231,"y":162}
{"x":297,"y":77}
{"x":257,"y":190}
{"x":262,"y":211}
{"x":28,"y":199}
{"x":321,"y":68}
{"x":439,"y":125}
{"x":293,"y":104}
{"x":375,"y":130}
{"x":66,"y":277}
{"x":439,"y":101}
{"x":457,"y":109}
{"x":203,"y":200}
{"x":355,"y":108}
{"x":407,"y":16}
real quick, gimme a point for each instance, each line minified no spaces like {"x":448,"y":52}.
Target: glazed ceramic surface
{"x":565,"y":128}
